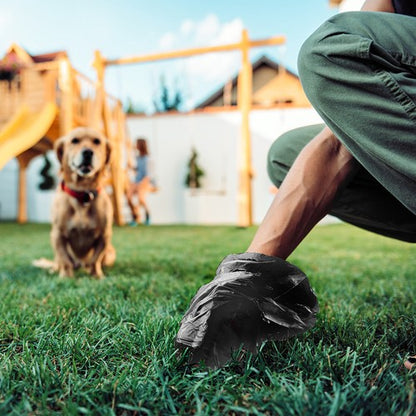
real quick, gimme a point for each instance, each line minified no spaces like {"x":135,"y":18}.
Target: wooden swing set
{"x":244,"y":98}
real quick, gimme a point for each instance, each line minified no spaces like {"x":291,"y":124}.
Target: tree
{"x":166,"y":100}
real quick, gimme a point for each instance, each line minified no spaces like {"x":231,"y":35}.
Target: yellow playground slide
{"x":24,"y":130}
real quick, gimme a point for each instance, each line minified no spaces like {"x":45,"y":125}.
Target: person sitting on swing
{"x":142,"y":184}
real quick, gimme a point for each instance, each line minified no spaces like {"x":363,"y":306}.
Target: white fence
{"x":215,"y":137}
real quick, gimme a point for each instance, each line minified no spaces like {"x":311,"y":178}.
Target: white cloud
{"x":187,"y":27}
{"x":167,"y":41}
{"x":202,"y":73}
{"x":229,"y":32}
{"x":217,"y":66}
{"x":207,"y":28}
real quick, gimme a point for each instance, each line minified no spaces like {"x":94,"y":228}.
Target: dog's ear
{"x":59,"y":148}
{"x":108,"y":152}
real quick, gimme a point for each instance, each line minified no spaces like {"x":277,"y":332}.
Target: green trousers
{"x":359,"y":72}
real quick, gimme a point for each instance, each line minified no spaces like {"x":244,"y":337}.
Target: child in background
{"x":142,"y":184}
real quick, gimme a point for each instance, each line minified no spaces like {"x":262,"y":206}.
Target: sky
{"x":120,"y":28}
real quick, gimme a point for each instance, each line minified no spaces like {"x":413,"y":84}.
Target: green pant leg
{"x":285,"y":150}
{"x":359,"y":72}
{"x":363,"y":202}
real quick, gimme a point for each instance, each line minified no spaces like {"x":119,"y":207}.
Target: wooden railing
{"x":84,"y":95}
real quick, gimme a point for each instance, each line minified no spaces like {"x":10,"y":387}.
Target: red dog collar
{"x":83,"y":197}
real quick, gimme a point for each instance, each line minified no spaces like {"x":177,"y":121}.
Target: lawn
{"x":81,"y":346}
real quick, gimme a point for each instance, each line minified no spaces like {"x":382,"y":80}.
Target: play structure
{"x":43,"y":98}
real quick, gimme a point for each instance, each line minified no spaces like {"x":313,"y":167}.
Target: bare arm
{"x":320,"y":171}
{"x":378,"y":6}
{"x":322,"y":168}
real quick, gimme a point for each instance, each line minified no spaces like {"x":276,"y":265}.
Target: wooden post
{"x":97,"y":110}
{"x":117,"y":180}
{"x":22,"y":192}
{"x":67,"y":108}
{"x":245,"y":216}
{"x":102,"y":112}
{"x":50,"y":79}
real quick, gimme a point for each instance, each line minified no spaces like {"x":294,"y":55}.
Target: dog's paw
{"x":65,"y":270}
{"x":96,"y":271}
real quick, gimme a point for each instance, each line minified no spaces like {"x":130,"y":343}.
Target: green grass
{"x":81,"y":346}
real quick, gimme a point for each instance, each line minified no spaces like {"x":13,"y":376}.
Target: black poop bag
{"x":252,"y":298}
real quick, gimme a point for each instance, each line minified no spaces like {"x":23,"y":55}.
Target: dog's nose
{"x":87,"y":154}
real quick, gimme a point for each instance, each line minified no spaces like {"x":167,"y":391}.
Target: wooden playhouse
{"x":43,"y":98}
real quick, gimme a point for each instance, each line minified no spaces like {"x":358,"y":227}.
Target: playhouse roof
{"x":16,"y":56}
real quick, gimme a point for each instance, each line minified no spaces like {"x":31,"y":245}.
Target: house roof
{"x":263,"y":60}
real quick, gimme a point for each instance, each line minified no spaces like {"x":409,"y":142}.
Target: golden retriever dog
{"x":82,"y":213}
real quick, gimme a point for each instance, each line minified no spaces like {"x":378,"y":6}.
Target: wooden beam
{"x":182,"y":53}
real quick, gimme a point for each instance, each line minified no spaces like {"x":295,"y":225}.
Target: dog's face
{"x":84,"y":151}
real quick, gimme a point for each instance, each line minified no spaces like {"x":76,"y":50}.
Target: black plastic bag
{"x":253,"y":298}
